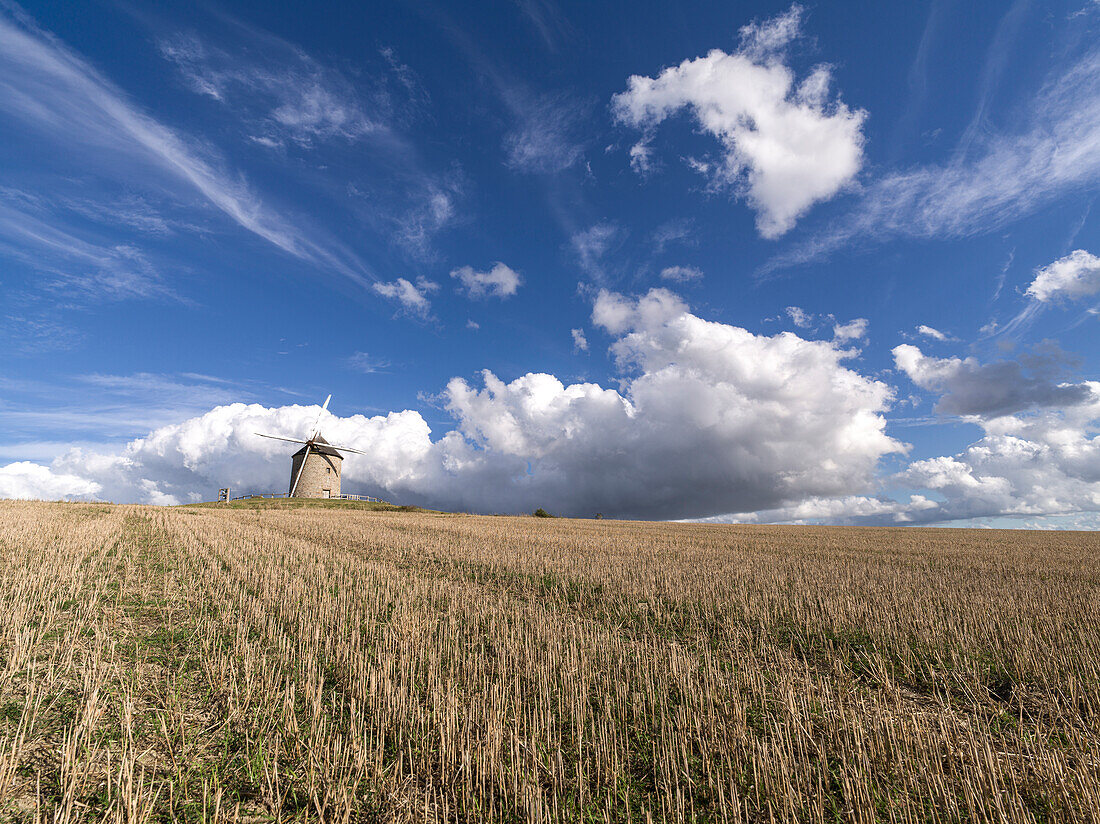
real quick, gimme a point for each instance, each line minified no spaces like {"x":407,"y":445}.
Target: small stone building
{"x":321,"y":476}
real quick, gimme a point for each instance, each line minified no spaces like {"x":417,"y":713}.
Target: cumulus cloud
{"x":499,"y":282}
{"x":27,"y":480}
{"x":1041,"y":464}
{"x":762,"y":39}
{"x":580,"y":342}
{"x":412,"y":296}
{"x":786,"y":142}
{"x":929,"y":332}
{"x":709,"y":418}
{"x":852,"y":330}
{"x":1077,"y":275}
{"x":847,"y":509}
{"x":799,"y":318}
{"x":1039,"y":454}
{"x":641,"y":156}
{"x":681,"y":274}
{"x":1041,"y":469}
{"x":969,"y":387}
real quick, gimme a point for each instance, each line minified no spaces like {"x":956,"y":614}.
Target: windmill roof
{"x":321,"y":447}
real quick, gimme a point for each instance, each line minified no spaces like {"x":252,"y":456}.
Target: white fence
{"x":368,"y":498}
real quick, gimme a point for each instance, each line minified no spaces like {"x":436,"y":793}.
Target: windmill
{"x":315,"y":468}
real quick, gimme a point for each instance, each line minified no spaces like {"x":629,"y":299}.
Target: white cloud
{"x":969,"y":387}
{"x":1077,"y":275}
{"x":1040,"y":464}
{"x":580,"y":342}
{"x":1039,"y":470}
{"x":681,"y":274}
{"x":1036,"y":465}
{"x":785,"y":143}
{"x":32,"y":481}
{"x":929,"y":332}
{"x":412,"y":296}
{"x":762,"y":39}
{"x":641,"y":155}
{"x":710,"y":418}
{"x":852,"y":330}
{"x":800,"y":318}
{"x":833,"y":510}
{"x":90,"y":408}
{"x":499,"y":282}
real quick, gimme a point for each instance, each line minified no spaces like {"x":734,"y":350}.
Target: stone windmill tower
{"x":315,"y":468}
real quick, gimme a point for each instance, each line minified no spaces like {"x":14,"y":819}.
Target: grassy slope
{"x":306,"y":503}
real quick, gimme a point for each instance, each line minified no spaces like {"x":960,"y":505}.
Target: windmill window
{"x":328,"y":470}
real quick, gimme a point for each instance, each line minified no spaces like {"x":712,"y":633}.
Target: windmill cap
{"x":320,"y":447}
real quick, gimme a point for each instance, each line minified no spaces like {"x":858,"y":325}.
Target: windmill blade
{"x":347,"y":449}
{"x":298,"y":477}
{"x":317,"y":425}
{"x":277,"y":438}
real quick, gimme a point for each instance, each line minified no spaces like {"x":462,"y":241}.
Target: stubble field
{"x":313,"y":664}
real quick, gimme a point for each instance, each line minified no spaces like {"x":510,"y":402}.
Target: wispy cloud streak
{"x":52,"y":89}
{"x":80,"y":267}
{"x":300,"y":100}
{"x":990,"y":181}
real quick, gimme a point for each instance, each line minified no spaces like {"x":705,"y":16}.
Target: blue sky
{"x":752,"y":262}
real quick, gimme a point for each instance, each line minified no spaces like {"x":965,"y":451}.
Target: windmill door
{"x":326,"y":493}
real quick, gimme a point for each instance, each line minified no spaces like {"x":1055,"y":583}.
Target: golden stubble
{"x":214,"y":664}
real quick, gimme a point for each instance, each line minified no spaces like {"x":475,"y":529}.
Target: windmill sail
{"x":277,"y":438}
{"x":298,"y":477}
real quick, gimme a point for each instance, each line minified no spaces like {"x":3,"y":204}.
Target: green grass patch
{"x":306,"y":503}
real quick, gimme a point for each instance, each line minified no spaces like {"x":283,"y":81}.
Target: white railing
{"x":345,"y":497}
